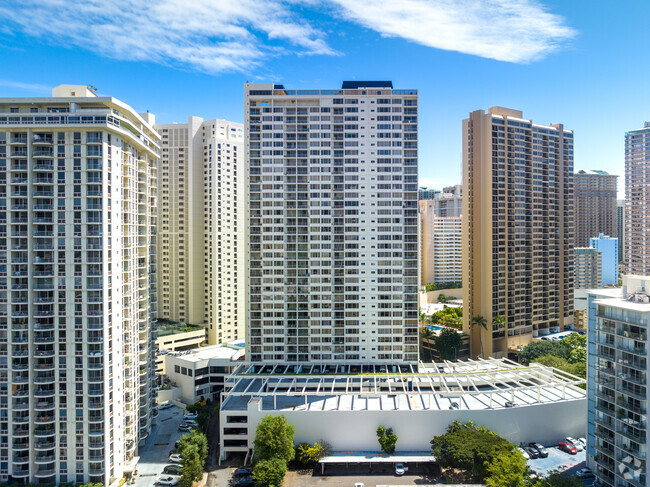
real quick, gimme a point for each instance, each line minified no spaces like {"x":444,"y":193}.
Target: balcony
{"x":44,"y":445}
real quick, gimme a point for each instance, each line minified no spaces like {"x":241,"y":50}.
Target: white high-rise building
{"x":201,"y":226}
{"x":77,"y":286}
{"x":617,"y":383}
{"x":440,"y":246}
{"x":333,"y":223}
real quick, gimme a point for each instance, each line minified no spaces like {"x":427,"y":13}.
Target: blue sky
{"x":577,"y":62}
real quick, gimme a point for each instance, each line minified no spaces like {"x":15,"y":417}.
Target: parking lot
{"x":155,"y":452}
{"x":557,"y":460}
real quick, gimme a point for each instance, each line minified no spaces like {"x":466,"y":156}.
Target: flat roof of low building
{"x":172,"y":328}
{"x":223,"y":351}
{"x":378,"y":457}
{"x":465,"y":385}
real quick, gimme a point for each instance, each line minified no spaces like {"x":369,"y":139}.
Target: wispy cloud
{"x":507,"y":30}
{"x":216,"y":35}
{"x":32,"y":87}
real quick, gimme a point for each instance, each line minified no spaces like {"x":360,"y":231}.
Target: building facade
{"x":588,"y":267}
{"x":440,"y":246}
{"x":595,"y":205}
{"x":617,"y":383}
{"x":333,"y":223}
{"x":620,"y":229}
{"x":637,"y":201}
{"x":201,"y":226}
{"x":608,"y":248}
{"x":77,"y":252}
{"x":518,"y":229}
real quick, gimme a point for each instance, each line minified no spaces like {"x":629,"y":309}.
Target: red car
{"x":567,"y":447}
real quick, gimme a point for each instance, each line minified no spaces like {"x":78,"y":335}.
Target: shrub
{"x":387,"y":439}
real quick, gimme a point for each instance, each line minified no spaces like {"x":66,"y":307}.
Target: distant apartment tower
{"x":617,"y":383}
{"x":448,"y":202}
{"x":595,"y":205}
{"x":333,"y":223}
{"x":588,"y":267}
{"x":608,"y":248}
{"x":77,"y":254}
{"x":425,"y":193}
{"x":440,"y":246}
{"x":637,"y":201}
{"x":201,"y":226}
{"x":517,"y":228}
{"x":620,"y":229}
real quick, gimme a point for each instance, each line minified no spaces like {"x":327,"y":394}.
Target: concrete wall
{"x":432,"y":296}
{"x":355,"y":430}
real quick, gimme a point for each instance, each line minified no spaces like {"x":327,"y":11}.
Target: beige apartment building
{"x":595,"y":205}
{"x":588,"y":266}
{"x":518,"y":229}
{"x":440,"y":246}
{"x":201,"y":226}
{"x":637,"y":201}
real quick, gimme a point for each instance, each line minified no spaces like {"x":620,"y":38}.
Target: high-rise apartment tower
{"x":333,"y":223}
{"x":620,"y":229}
{"x":440,"y":246}
{"x":518,"y":229}
{"x":588,"y":266}
{"x":637,"y":201}
{"x":201,"y":226}
{"x":595,"y":205}
{"x":77,"y":253}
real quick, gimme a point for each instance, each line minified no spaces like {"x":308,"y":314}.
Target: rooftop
{"x":231,"y":350}
{"x":171,"y":328}
{"x":465,"y":385}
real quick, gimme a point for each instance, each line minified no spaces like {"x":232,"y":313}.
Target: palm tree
{"x":428,"y":335}
{"x":481,"y":322}
{"x":499,"y":322}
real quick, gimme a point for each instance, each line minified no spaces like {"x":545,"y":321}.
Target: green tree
{"x":575,"y":340}
{"x":192,"y":469}
{"x":274,"y":439}
{"x":387,"y":439}
{"x":270,"y":473}
{"x":448,"y":343}
{"x":467,"y":447}
{"x":579,"y":368}
{"x":506,"y":468}
{"x":428,"y":335}
{"x":558,"y":479}
{"x":479,"y":322}
{"x":498,"y":322}
{"x":421,"y":314}
{"x":196,"y":438}
{"x":537,"y":349}
{"x":442,"y":298}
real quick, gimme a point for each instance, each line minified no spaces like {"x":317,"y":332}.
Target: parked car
{"x":176,"y":443}
{"x":358,"y":484}
{"x":173,"y":469}
{"x":583,"y":442}
{"x":453,"y":405}
{"x":173,"y":450}
{"x":510,"y":404}
{"x":247,"y":482}
{"x":190,"y":416}
{"x":567,"y":447}
{"x":574,"y":442}
{"x":184,"y":427}
{"x":242,"y":472}
{"x":175,"y":458}
{"x":585,"y":473}
{"x":167,"y":480}
{"x":532,"y":452}
{"x":524,"y":453}
{"x":167,"y":405}
{"x":190,"y":422}
{"x":540,"y":449}
{"x":400,"y":469}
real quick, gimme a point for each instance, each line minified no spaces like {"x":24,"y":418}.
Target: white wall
{"x":355,"y":430}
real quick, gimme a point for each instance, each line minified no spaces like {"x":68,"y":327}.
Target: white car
{"x":575,"y":443}
{"x":524,"y":453}
{"x":400,"y":469}
{"x":358,"y":484}
{"x":175,"y":458}
{"x":168,"y":480}
{"x":583,"y":441}
{"x":167,"y":405}
{"x":190,"y":416}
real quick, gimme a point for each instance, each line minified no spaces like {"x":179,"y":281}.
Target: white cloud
{"x":240,"y":35}
{"x":507,"y":30}
{"x":31,"y":87}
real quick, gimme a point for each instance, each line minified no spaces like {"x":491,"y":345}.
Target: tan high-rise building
{"x":518,"y":229}
{"x":595,"y":205}
{"x":637,"y":201}
{"x":201,"y":226}
{"x":440,"y":246}
{"x":588,"y":266}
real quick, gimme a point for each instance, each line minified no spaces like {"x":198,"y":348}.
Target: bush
{"x":387,"y":439}
{"x":538,"y":349}
{"x":274,"y":439}
{"x":307,"y":454}
{"x":194,"y":438}
{"x":270,"y":473}
{"x":437,"y":286}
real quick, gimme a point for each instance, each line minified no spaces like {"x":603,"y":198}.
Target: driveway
{"x":155,"y":452}
{"x":558,"y":460}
